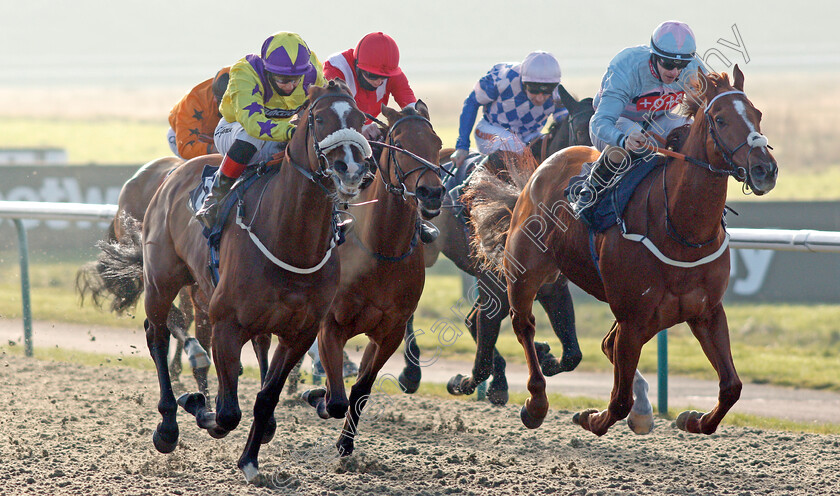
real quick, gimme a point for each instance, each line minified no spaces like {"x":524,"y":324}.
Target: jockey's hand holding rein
{"x":635,"y":141}
{"x":459,"y":156}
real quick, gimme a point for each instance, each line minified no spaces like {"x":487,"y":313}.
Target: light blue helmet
{"x":673,"y":40}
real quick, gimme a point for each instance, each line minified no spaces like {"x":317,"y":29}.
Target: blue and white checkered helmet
{"x":540,"y":67}
{"x":673,"y":40}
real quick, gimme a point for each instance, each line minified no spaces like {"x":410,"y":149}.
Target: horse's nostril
{"x":340,"y":166}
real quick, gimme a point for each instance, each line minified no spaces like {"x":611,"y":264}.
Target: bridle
{"x":754,"y":140}
{"x":400,"y":188}
{"x":324,"y":170}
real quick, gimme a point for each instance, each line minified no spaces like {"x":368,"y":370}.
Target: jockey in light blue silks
{"x":517,"y":100}
{"x":641,"y":87}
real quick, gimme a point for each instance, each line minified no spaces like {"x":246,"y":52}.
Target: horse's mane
{"x":697,"y":90}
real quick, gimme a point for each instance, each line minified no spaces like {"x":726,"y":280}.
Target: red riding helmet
{"x":378,"y":53}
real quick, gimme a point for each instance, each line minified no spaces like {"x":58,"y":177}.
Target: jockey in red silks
{"x":264,"y":92}
{"x":372,"y":71}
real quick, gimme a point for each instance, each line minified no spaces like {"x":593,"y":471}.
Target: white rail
{"x":786,"y":240}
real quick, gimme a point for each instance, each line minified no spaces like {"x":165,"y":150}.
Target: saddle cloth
{"x":610,"y":204}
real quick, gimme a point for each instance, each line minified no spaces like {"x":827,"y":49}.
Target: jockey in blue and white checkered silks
{"x":640,"y":90}
{"x":517,"y":100}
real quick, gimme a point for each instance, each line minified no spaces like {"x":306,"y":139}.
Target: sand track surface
{"x":70,"y":429}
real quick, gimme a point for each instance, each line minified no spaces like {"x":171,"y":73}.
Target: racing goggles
{"x":282,"y":79}
{"x":540,"y":88}
{"x":671,"y":64}
{"x":371,"y":76}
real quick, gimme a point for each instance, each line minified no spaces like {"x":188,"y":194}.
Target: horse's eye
{"x":319,"y":120}
{"x":719,"y":120}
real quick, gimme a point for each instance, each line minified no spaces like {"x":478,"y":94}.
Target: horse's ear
{"x":568,"y":100}
{"x":739,"y":78}
{"x":315,"y":91}
{"x":390,"y":114}
{"x":422,"y":108}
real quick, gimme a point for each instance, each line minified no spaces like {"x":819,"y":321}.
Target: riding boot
{"x":210,"y":210}
{"x":600,"y":177}
{"x":428,"y":232}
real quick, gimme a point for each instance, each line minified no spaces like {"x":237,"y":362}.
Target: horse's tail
{"x":117,"y":273}
{"x":491,"y":197}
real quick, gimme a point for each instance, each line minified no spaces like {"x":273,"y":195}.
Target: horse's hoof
{"x":345,"y":446}
{"x":640,"y":423}
{"x":252,"y":475}
{"x":198,"y":357}
{"x":454,"y":385}
{"x":409,"y":380}
{"x":270,"y":429}
{"x":192,"y":403}
{"x":549,"y":364}
{"x":497,"y":397}
{"x":528,"y":420}
{"x":685,"y":417}
{"x":217,"y":432}
{"x":165,"y":445}
{"x":580,"y":417}
{"x":321,"y":409}
{"x":313,"y":396}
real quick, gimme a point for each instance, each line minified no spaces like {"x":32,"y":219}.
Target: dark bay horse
{"x":679,"y":275}
{"x":491,"y":306}
{"x":278,"y":267}
{"x":382,"y":264}
{"x":133,"y":201}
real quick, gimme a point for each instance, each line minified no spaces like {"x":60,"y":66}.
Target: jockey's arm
{"x":401,"y":90}
{"x":612,"y":102}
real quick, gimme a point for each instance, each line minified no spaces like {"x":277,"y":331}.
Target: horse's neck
{"x":389,"y":224}
{"x":696,"y":196}
{"x":299,"y":213}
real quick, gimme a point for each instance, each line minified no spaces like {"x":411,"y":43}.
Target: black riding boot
{"x":210,"y":210}
{"x":600,"y":177}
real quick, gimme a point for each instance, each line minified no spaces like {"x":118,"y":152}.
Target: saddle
{"x":609,"y":206}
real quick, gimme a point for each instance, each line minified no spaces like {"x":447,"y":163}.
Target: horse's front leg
{"x":374,"y":358}
{"x":556,"y":299}
{"x":165,"y":437}
{"x":264,"y":426}
{"x":411,"y":375}
{"x":227,"y":349}
{"x":332,"y":402}
{"x":521,"y":294}
{"x":625,"y":347}
{"x":713,"y":333}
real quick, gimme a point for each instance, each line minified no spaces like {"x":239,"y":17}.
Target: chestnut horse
{"x":491,"y":306}
{"x":383,"y":270}
{"x":133,"y":201}
{"x":277,"y":277}
{"x":677,"y":274}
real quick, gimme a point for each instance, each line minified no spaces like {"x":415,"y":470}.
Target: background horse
{"x":279,"y":276}
{"x":491,"y":306}
{"x":383,"y":270}
{"x":682,"y":278}
{"x":133,"y":201}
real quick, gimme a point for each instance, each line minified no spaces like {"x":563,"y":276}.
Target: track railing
{"x":758,"y":239}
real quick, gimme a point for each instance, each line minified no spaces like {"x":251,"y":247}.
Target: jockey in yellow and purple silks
{"x":639,"y":91}
{"x":264,"y":92}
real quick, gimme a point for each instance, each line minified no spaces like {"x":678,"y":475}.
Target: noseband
{"x":323,"y":171}
{"x":753,"y":140}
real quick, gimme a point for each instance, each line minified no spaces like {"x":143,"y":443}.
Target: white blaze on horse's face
{"x":742,"y":111}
